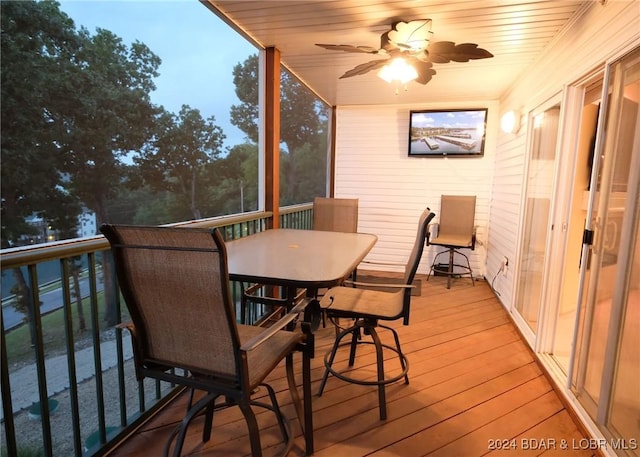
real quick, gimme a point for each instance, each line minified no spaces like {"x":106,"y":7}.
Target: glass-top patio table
{"x":292,"y":259}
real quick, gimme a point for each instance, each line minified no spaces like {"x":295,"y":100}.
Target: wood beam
{"x":332,"y":155}
{"x":272,"y":134}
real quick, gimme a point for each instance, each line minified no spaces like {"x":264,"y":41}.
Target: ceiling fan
{"x":410,"y":42}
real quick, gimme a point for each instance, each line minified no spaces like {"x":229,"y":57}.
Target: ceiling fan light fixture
{"x":408,"y":43}
{"x":398,"y":70}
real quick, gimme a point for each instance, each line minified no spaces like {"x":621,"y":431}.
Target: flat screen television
{"x":450,"y":133}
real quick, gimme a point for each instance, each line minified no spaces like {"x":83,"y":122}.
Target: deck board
{"x":472,"y":380}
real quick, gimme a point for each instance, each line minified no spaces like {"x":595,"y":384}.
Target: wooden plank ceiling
{"x":515,"y":32}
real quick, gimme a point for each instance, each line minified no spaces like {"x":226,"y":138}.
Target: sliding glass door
{"x":537,"y":227}
{"x":605,"y":373}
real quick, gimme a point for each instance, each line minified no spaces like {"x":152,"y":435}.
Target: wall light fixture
{"x":510,"y":122}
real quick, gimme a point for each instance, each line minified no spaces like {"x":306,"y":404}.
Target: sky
{"x":198,"y":50}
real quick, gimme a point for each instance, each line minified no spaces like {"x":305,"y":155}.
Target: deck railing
{"x":68,"y":385}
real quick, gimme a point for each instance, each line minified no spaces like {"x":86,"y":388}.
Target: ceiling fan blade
{"x":447,"y":51}
{"x":424,"y":69}
{"x":348,"y":48}
{"x":412,"y":35}
{"x":365,"y":68}
{"x":386,"y":44}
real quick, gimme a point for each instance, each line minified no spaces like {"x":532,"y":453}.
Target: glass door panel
{"x":537,"y":206}
{"x":625,"y":406}
{"x":606,"y":365}
{"x":569,"y":274}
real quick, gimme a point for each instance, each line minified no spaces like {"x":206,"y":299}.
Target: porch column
{"x":272,"y":134}
{"x":332,"y":155}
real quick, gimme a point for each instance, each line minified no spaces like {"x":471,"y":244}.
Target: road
{"x":51,"y":301}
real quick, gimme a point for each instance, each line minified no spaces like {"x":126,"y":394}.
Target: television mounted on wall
{"x":447,"y":133}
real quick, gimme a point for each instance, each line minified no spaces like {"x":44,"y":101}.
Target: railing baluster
{"x":7,"y":404}
{"x":71,"y":356}
{"x":97,"y":356}
{"x":14,"y":439}
{"x":36,"y":324}
{"x":122,"y":386}
{"x":142,"y":407}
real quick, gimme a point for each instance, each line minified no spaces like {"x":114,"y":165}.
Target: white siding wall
{"x":393,"y":189}
{"x":598,"y":35}
{"x":372,"y":162}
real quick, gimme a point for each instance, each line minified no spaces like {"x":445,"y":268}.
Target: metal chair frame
{"x":145,"y":261}
{"x":352,"y":303}
{"x":464,"y":235}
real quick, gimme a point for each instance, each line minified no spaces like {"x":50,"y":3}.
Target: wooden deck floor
{"x":474,"y":388}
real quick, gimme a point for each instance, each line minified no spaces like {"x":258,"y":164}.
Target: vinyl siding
{"x":393,"y":189}
{"x":573,"y":56}
{"x":372,"y":141}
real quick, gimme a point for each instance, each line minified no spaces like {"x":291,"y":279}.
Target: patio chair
{"x":176,"y":286}
{"x":367,"y":307}
{"x":455,"y":231}
{"x":335,"y":214}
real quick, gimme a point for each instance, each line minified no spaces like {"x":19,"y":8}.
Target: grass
{"x":25,"y":452}
{"x":19,"y":348}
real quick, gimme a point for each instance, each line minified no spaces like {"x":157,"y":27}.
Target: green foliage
{"x":180,"y":156}
{"x":37,"y":44}
{"x":303,"y":130}
{"x":236,"y":186}
{"x":76,"y":110}
{"x":18,"y":345}
{"x":73,"y":104}
{"x":246,"y":115}
{"x":111,"y":116}
{"x":25,"y":452}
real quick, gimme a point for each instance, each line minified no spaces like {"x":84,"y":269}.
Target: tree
{"x":302,"y":118}
{"x":236,"y":186}
{"x":73,"y":105}
{"x":179,"y":158}
{"x":110,"y":117}
{"x":38,"y":44}
{"x":75,"y":268}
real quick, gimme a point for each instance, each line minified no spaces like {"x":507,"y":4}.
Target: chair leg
{"x":293,"y":390}
{"x":355,"y":336}
{"x":433,"y":264}
{"x":468,"y":266}
{"x":332,"y":356}
{"x":450,"y":270}
{"x":252,"y":424}
{"x":400,"y":355}
{"x":382,"y":396}
{"x":278,"y":413}
{"x":181,"y":431}
{"x":208,"y":421}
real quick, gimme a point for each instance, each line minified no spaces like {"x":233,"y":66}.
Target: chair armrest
{"x":428,"y":233}
{"x":473,"y":238}
{"x":283,"y":322}
{"x":137,"y":350}
{"x":381,"y":285}
{"x":127,"y":325}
